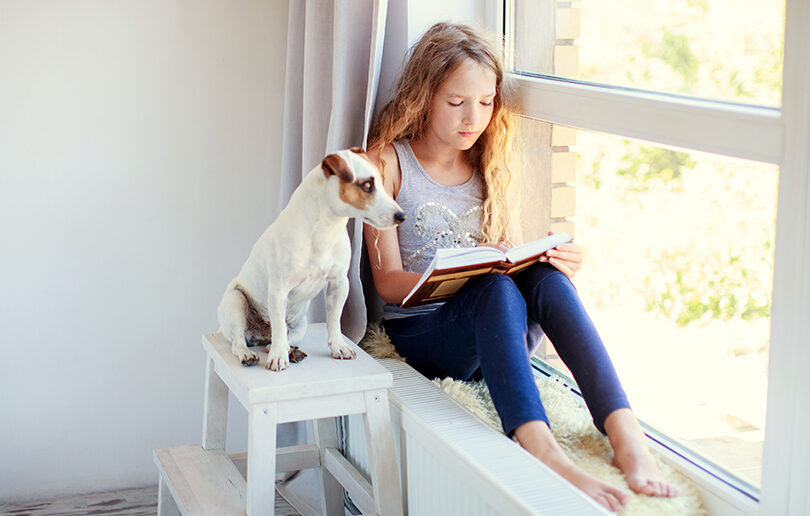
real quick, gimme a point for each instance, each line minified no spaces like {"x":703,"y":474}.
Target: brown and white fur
{"x":306,"y":249}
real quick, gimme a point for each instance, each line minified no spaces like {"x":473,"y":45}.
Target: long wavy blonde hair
{"x":436,"y":55}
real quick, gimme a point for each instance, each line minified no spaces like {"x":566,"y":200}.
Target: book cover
{"x":452,"y":268}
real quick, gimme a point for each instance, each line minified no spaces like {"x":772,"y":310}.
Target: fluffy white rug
{"x":572,"y":426}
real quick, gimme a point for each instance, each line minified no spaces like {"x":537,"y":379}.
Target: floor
{"x":297,"y":496}
{"x":131,"y":501}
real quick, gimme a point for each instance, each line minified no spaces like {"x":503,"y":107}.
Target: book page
{"x":459,"y":257}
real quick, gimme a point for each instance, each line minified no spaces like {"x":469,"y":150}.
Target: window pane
{"x":677,"y":277}
{"x":728,"y":50}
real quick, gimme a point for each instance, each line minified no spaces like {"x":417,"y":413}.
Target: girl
{"x":442,"y":146}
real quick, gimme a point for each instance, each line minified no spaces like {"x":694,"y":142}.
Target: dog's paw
{"x":342,"y":351}
{"x":296,"y":355}
{"x":278,"y":359}
{"x":246,"y":356}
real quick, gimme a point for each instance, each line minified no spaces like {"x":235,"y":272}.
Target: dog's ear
{"x":335,"y":165}
{"x":360,"y":152}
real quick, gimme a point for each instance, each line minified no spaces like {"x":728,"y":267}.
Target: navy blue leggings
{"x":482,"y":331}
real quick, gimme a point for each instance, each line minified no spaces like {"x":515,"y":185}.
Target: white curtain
{"x":334,"y":55}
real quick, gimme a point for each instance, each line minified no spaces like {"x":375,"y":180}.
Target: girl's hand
{"x":567,"y":258}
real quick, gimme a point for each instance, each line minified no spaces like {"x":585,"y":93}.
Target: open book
{"x":452,"y":268}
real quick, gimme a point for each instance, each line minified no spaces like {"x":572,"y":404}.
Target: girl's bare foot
{"x":610,"y":497}
{"x":632,"y":455}
{"x":537,"y":439}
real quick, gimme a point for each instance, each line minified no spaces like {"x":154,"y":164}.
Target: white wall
{"x":424,"y":13}
{"x":139,"y":145}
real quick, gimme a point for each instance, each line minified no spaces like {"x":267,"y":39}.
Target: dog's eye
{"x":367,"y":186}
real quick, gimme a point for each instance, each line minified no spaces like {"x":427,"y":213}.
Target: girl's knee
{"x":500,"y":304}
{"x":500,"y":287}
{"x":545,"y":277}
{"x":541,"y":271}
{"x":495,"y":281}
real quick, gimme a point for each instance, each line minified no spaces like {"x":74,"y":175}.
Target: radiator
{"x":451,"y":463}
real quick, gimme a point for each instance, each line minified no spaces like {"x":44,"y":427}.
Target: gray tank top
{"x":439,"y":216}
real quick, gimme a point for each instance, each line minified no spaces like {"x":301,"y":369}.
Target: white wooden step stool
{"x":200,"y":479}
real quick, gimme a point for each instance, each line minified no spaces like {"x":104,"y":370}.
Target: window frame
{"x":772,"y":135}
{"x":748,"y":132}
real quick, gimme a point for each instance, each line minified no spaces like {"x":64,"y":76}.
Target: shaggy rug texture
{"x":571,"y":425}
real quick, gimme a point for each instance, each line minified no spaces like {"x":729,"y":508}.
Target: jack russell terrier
{"x":305,"y":249}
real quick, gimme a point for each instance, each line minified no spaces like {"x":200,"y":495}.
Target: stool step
{"x":202,"y":482}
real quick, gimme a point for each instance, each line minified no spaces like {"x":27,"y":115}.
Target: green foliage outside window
{"x":720,"y":274}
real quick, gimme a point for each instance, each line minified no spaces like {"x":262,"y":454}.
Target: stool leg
{"x":261,"y":460}
{"x":382,"y":458}
{"x":166,"y":504}
{"x":325,"y":432}
{"x":215,"y":409}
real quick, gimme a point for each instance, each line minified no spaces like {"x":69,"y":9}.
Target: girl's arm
{"x":390,"y":280}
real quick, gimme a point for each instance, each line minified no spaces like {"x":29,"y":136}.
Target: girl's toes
{"x":616,"y":498}
{"x":640,"y":486}
{"x":614,"y":502}
{"x":620,"y":495}
{"x":664,"y":489}
{"x":652,"y":488}
{"x":608,"y":502}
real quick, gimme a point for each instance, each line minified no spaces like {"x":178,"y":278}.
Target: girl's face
{"x":462,"y":106}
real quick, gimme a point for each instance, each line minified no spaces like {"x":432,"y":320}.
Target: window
{"x":677,"y":278}
{"x":702,"y":79}
{"x":728,"y":50}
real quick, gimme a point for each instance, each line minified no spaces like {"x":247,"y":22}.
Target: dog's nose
{"x":400,"y":217}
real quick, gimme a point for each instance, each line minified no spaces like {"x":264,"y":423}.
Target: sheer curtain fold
{"x":334,"y":56}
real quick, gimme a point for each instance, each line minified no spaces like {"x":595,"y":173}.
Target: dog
{"x":306,"y":249}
